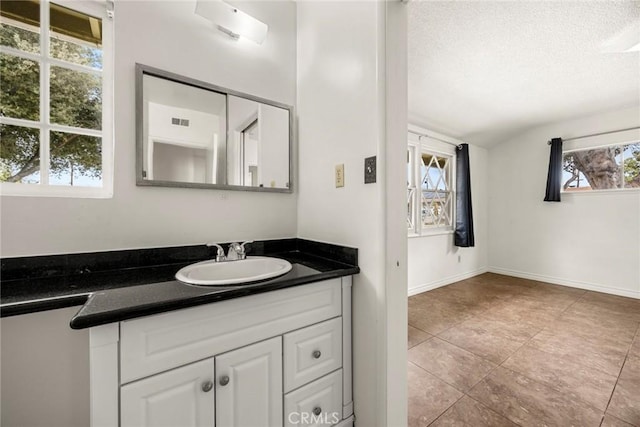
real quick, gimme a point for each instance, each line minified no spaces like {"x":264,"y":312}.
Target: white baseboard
{"x":566,"y":282}
{"x":446,"y":281}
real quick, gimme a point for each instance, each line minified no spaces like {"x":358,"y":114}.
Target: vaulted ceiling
{"x":484,"y":71}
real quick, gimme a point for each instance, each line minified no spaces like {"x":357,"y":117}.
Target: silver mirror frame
{"x":141,"y":70}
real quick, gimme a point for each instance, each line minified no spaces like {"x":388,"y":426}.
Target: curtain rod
{"x":420,"y":135}
{"x":597,"y":134}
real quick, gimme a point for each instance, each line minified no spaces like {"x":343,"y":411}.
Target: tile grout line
{"x":445,"y":381}
{"x":455,"y":324}
{"x":450,"y":385}
{"x":448,"y":407}
{"x":626,"y":357}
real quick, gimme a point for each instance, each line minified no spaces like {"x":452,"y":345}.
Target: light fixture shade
{"x":234,"y":21}
{"x":634,"y":48}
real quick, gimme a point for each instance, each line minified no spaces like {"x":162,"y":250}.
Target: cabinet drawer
{"x":157,"y":343}
{"x":316,"y":404}
{"x":312,"y":352}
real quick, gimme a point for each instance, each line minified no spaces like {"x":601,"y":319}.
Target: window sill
{"x":430,"y":233}
{"x":35,"y":190}
{"x":602,"y":192}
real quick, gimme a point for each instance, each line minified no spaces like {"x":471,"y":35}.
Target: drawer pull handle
{"x":207,"y":386}
{"x":224,"y":380}
{"x":317,"y":411}
{"x":316,"y":354}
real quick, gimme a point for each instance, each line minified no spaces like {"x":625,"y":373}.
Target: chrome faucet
{"x":220,"y":256}
{"x":237,"y":251}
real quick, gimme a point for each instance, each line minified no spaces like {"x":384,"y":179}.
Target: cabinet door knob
{"x":207,"y":386}
{"x":316,"y":354}
{"x":317,"y":411}
{"x":224,"y":380}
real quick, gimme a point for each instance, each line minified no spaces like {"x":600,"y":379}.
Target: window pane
{"x":19,"y":88}
{"x":76,"y":98}
{"x":436,"y":208}
{"x":76,"y":37}
{"x":596,"y":169}
{"x":427,"y":212}
{"x":20,"y":27}
{"x":19,"y":154}
{"x":76,"y":160}
{"x":434,"y":172}
{"x":631,"y":155}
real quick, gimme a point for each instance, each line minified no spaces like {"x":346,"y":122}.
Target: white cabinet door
{"x":249,"y":386}
{"x":182,"y":397}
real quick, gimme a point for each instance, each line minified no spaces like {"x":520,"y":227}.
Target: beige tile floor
{"x":496,"y":350}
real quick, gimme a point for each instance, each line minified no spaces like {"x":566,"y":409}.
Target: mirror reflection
{"x":254,"y":149}
{"x":184,"y":132}
{"x":194,"y":134}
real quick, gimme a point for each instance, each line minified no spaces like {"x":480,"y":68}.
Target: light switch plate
{"x":370,"y":170}
{"x":340,"y":175}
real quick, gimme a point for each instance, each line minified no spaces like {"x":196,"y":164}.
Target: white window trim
{"x":102,"y":10}
{"x":628,"y":190}
{"x":431,"y":147}
{"x":611,"y":191}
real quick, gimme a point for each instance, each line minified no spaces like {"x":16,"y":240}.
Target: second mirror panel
{"x":258,"y":144}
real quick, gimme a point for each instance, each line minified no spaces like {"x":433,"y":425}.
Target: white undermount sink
{"x":251,"y":269}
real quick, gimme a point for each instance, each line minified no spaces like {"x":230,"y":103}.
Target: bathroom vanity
{"x":165,"y":353}
{"x":238,"y":362}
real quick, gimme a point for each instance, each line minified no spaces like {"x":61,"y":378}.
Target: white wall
{"x":342,"y":120}
{"x":395,"y":395}
{"x":169,"y":36}
{"x":590,"y":241}
{"x":433,"y":260}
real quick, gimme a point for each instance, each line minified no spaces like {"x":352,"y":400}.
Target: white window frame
{"x":98,"y":9}
{"x":598,"y":191}
{"x":431,"y":147}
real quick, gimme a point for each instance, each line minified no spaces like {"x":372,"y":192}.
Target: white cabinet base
{"x":152,"y":370}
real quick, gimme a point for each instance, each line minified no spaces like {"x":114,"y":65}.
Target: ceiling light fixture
{"x":625,"y":40}
{"x":635,"y":48}
{"x":232,"y":21}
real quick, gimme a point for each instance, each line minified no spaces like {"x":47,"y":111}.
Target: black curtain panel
{"x":554,"y":177}
{"x":464,"y":214}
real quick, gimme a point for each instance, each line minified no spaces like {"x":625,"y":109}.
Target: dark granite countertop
{"x":120,"y":285}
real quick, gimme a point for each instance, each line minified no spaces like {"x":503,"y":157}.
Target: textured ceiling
{"x":483,"y":71}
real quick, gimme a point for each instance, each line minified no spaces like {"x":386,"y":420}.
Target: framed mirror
{"x":195,"y":134}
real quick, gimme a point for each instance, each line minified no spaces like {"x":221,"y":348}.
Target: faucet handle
{"x":239,"y":251}
{"x":220,"y":256}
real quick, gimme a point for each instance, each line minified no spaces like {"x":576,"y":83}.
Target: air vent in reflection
{"x":180,"y":122}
